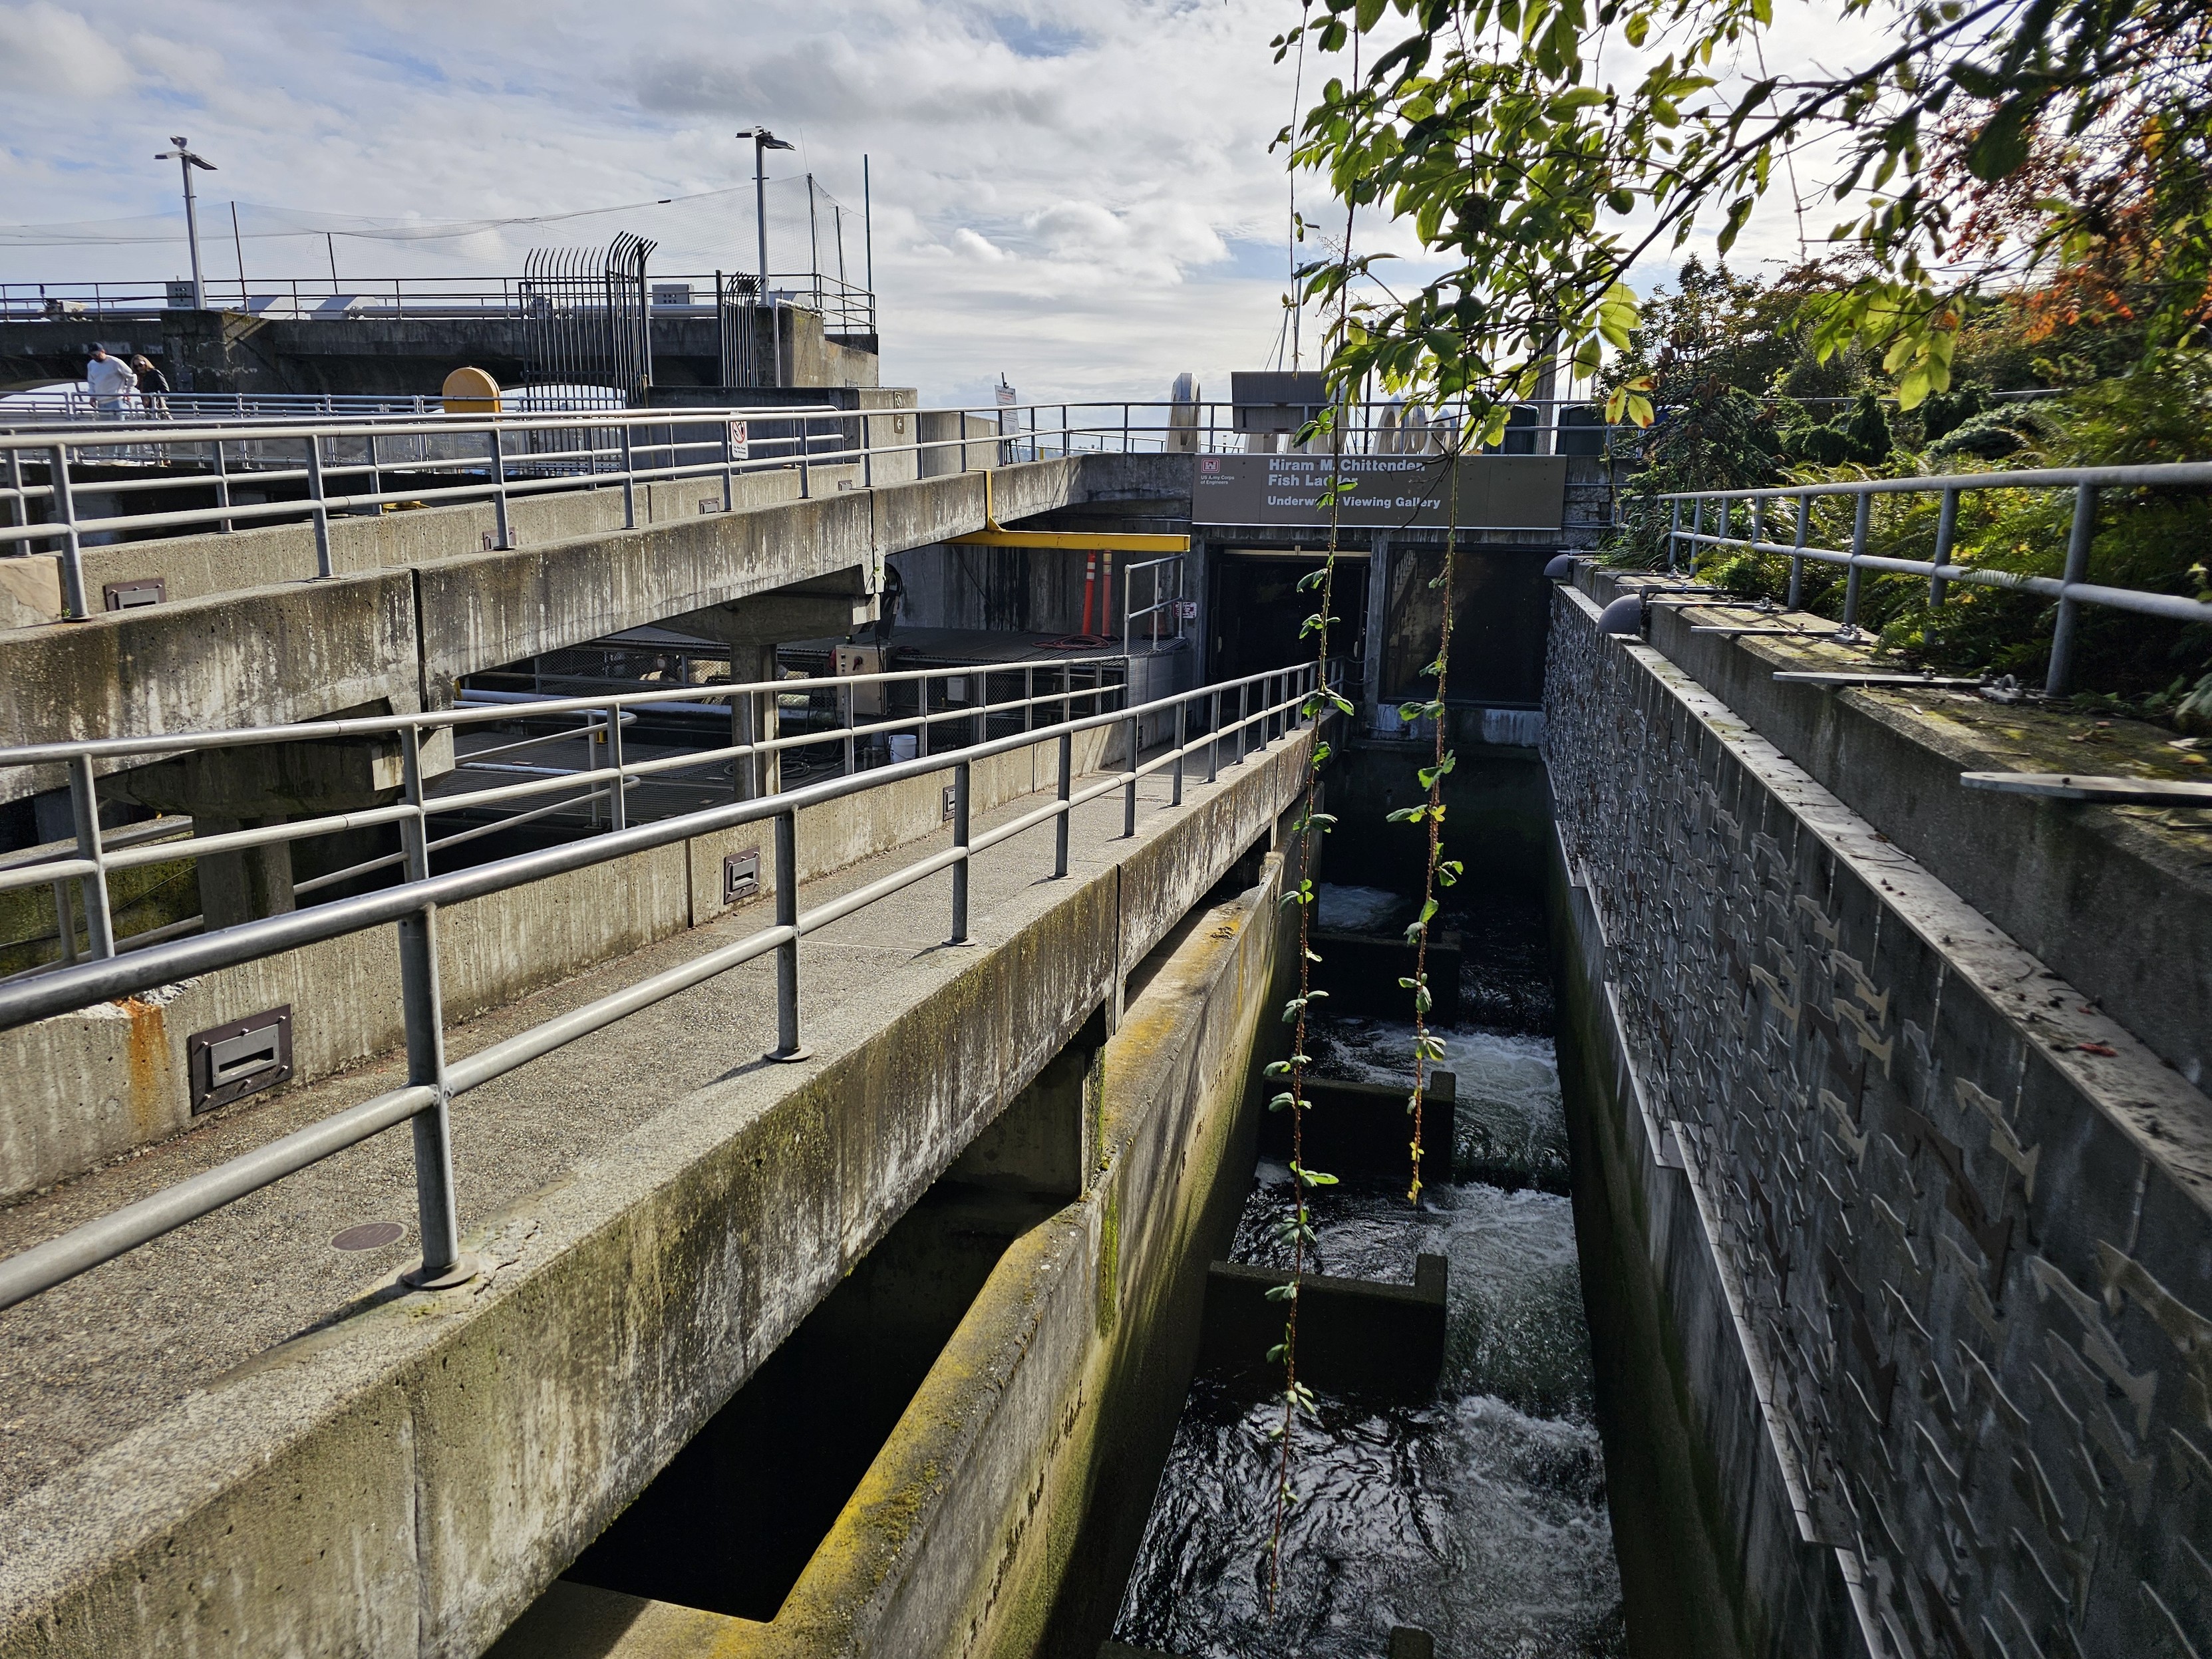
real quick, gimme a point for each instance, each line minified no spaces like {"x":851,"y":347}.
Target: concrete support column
{"x":752,"y":629}
{"x":753,"y":719}
{"x":247,"y":885}
{"x":1046,"y":1141}
{"x":1378,"y":605}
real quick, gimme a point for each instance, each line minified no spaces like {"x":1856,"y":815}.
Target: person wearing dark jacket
{"x":152,"y":386}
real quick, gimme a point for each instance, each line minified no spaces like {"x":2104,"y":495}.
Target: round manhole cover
{"x":369,"y":1236}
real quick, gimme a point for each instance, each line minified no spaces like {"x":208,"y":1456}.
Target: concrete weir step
{"x":1367,"y":1129}
{"x":1353,"y":1334}
{"x":1361,"y":972}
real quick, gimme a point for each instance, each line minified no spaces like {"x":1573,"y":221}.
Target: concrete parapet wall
{"x":291,"y":649}
{"x":1909,"y":1247}
{"x":2107,"y":896}
{"x":89,"y":1086}
{"x":968,"y":1535}
{"x":407,"y":1477}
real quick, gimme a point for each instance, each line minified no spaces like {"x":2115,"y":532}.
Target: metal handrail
{"x":95,"y":858}
{"x":1287,"y":701}
{"x":2070,"y":589}
{"x":600,"y":448}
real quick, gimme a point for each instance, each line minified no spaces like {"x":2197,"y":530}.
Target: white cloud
{"x":1077,"y":192}
{"x":44,"y":49}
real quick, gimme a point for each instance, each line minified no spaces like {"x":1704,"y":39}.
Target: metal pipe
{"x":1862,"y":509}
{"x":498,"y":455}
{"x":321,"y":510}
{"x":1066,"y":780}
{"x":58,"y":1260}
{"x":1182,"y":710}
{"x":1129,"y":759}
{"x":617,"y":810}
{"x":960,"y":798}
{"x":64,"y":508}
{"x":2077,"y":567}
{"x":84,"y":810}
{"x":1947,"y":524}
{"x":787,"y":1046}
{"x":1796,"y":559}
{"x":422,"y":1008}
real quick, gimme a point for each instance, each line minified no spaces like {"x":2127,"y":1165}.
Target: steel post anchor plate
{"x":789,"y":1056}
{"x":464,"y":1269}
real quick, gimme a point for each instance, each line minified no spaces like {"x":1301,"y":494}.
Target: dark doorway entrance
{"x":1258,"y":608}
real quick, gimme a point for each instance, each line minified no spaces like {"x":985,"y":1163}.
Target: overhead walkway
{"x":249,"y":1432}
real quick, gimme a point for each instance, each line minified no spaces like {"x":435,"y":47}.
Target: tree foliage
{"x":1540,"y":148}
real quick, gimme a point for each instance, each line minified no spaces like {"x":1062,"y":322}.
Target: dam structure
{"x":649,"y":1030}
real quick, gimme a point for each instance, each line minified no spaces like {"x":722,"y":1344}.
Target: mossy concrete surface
{"x":408,"y":1474}
{"x":1001,"y":1515}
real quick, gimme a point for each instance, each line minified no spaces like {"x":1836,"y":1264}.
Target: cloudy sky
{"x":1077,"y":194}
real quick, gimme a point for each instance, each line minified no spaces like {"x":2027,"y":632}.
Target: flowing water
{"x":1479,"y":1516}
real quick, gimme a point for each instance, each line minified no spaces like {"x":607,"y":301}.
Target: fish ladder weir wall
{"x":1897,"y":1251}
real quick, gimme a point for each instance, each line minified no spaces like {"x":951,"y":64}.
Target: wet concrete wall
{"x":1000,"y":1516}
{"x":1897,"y":1250}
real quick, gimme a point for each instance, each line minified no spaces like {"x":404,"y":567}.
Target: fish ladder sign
{"x":1390,"y":492}
{"x":740,"y":442}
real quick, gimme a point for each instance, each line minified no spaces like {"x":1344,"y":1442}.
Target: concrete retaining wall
{"x":407,"y":1479}
{"x":999,"y":1517}
{"x":1899,"y":1250}
{"x":89,"y":1086}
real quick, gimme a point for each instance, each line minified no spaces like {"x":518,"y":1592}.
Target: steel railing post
{"x":805,"y":458}
{"x":84,"y":811}
{"x":375,"y":472}
{"x":867,"y":453}
{"x":19,"y":508}
{"x":960,"y":841}
{"x":629,"y":480}
{"x":414,"y":831}
{"x":1214,"y":738}
{"x":1674,"y":532}
{"x":64,"y":500}
{"x":1862,"y":511}
{"x":505,"y":538}
{"x":787,"y":1046}
{"x":729,"y":469}
{"x":1243,"y":718}
{"x":851,"y":713}
{"x":2069,"y":609}
{"x":1947,"y":527}
{"x":1697,"y":529}
{"x":320,"y":507}
{"x":617,"y":805}
{"x":1182,"y":710}
{"x":1067,"y":791}
{"x":1129,"y":789}
{"x":1758,"y":525}
{"x":1797,"y":559}
{"x":437,"y":1215}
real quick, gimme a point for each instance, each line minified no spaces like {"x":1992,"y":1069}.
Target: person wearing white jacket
{"x":112,"y":383}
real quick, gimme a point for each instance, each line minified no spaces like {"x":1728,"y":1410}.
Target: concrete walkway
{"x":119,"y":1377}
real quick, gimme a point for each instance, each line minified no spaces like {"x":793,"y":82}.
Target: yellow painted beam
{"x":1079,"y":540}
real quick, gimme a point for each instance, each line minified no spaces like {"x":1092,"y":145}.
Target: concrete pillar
{"x":1046,"y":1141}
{"x":753,"y":719}
{"x":752,"y":629}
{"x":246,"y":885}
{"x":224,"y":790}
{"x":1378,"y":605}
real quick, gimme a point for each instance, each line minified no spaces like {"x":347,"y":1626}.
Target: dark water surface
{"x":1479,"y":1516}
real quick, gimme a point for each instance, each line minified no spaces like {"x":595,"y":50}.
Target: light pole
{"x":186,"y":162}
{"x":764,"y":141}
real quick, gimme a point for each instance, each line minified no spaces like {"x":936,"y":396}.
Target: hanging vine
{"x":1312,"y":824}
{"x":1437,"y":870}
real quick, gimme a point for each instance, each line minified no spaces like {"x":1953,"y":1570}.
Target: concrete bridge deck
{"x":418,"y":602}
{"x":239,"y":1438}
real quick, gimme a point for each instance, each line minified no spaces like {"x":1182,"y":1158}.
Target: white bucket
{"x":904,"y":746}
